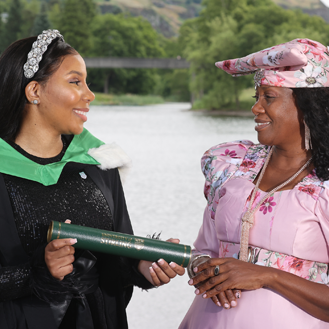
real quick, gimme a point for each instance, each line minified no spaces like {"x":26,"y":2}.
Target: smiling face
{"x":278,"y":121}
{"x":65,"y":98}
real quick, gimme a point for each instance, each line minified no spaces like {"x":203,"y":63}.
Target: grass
{"x":127,"y":99}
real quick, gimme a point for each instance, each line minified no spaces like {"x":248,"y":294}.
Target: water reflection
{"x":164,"y":190}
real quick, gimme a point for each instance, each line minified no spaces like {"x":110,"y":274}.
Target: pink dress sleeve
{"x":322,"y":213}
{"x":218,"y":164}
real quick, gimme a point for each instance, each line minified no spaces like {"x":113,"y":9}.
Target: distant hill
{"x":311,"y":7}
{"x":166,"y":16}
{"x":310,"y":4}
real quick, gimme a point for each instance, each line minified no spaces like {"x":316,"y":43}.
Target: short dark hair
{"x":314,"y":104}
{"x":13,"y":81}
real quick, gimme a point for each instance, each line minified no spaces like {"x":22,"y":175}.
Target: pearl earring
{"x":35,"y":101}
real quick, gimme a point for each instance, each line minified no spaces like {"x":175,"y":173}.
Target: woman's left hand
{"x":160,"y":272}
{"x":233,"y":274}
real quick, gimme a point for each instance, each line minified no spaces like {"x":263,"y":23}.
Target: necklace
{"x":248,"y":217}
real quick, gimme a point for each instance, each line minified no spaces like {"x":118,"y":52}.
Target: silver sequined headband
{"x":39,"y":47}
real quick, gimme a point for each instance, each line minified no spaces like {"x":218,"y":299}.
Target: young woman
{"x":53,"y":169}
{"x":266,"y":225}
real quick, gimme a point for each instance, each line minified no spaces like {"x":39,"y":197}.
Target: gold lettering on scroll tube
{"x":116,"y":240}
{"x":139,"y":244}
{"x":185,"y":255}
{"x":59,"y":229}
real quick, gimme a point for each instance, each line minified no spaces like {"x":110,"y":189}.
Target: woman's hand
{"x":233,"y":274}
{"x":59,"y":256}
{"x":310,"y":296}
{"x":224,"y":299}
{"x":227,"y":299}
{"x":160,"y":272}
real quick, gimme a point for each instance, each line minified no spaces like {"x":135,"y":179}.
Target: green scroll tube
{"x":121,"y":244}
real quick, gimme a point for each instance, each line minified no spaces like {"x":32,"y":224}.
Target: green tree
{"x":41,"y":22}
{"x":230,"y":29}
{"x":12,"y":29}
{"x":54,"y":13}
{"x":30,"y":11}
{"x":2,"y":43}
{"x":5,"y":5}
{"x":124,"y":36}
{"x":172,"y":84}
{"x":75,"y":24}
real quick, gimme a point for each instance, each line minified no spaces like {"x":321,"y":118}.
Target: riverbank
{"x":127,"y":99}
{"x":231,"y":113}
{"x":142,"y":100}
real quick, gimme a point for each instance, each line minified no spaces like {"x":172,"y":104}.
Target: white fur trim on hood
{"x":112,"y":156}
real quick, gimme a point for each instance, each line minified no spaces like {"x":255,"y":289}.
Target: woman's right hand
{"x":227,"y":299}
{"x":59,"y":256}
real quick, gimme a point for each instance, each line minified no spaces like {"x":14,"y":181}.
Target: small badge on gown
{"x":83,"y":175}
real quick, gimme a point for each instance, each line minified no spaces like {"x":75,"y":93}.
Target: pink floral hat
{"x":300,"y":63}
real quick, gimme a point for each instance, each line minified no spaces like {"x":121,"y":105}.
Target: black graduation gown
{"x":32,"y":313}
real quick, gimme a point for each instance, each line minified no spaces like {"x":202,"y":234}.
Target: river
{"x":164,"y":189}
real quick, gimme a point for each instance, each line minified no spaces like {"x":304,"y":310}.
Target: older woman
{"x":268,"y":203}
{"x":53,"y":169}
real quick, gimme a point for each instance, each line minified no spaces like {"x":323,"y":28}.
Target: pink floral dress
{"x":290,"y":232}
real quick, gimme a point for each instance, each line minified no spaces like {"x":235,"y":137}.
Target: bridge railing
{"x":141,"y":63}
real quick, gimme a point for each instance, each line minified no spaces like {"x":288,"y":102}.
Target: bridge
{"x":135,"y":63}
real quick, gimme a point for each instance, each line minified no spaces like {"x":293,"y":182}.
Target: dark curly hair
{"x":314,"y":104}
{"x":13,"y":81}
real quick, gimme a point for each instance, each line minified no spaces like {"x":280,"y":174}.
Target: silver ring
{"x":216,"y":270}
